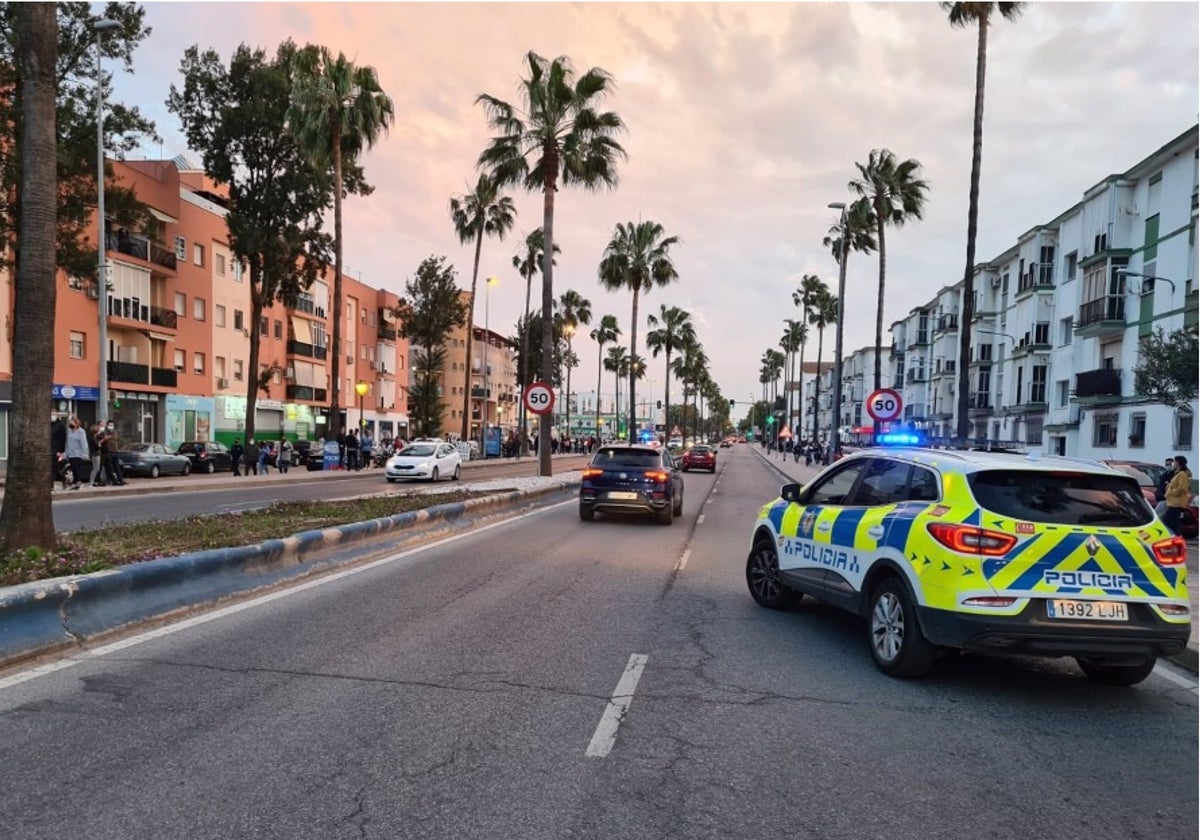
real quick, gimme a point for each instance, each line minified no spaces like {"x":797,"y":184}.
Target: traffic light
{"x":660,"y":403}
{"x":731,"y":403}
{"x":771,"y":420}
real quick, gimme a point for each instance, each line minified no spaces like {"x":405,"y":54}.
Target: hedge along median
{"x":51,"y":615}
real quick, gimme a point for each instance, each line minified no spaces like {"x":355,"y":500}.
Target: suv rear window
{"x":617,"y":457}
{"x":1062,"y":498}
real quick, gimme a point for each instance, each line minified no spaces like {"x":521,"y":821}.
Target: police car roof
{"x":969,"y":461}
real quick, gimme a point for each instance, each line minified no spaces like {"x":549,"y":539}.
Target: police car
{"x":980,"y":551}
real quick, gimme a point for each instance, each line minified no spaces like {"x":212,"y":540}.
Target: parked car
{"x":1147,"y":475}
{"x":625,"y":478}
{"x":432,"y":459}
{"x":699,"y":458}
{"x":207,"y":456}
{"x":152,"y":460}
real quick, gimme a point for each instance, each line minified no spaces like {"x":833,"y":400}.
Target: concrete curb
{"x":49,"y":616}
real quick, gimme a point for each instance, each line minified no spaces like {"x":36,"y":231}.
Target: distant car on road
{"x":207,"y":456}
{"x":152,"y":460}
{"x":432,"y":459}
{"x":699,"y":458}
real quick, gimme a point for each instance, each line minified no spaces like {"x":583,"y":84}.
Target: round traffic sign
{"x":539,"y":398}
{"x":884,"y":405}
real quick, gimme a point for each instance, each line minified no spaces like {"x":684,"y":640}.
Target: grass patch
{"x":118,"y":545}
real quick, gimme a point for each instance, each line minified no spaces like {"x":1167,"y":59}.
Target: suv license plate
{"x":622,"y":494}
{"x":1087,"y":610}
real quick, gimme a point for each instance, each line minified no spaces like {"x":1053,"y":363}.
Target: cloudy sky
{"x":744,"y":121}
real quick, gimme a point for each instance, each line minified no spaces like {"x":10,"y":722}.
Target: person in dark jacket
{"x":235,"y":454}
{"x":251,"y":456}
{"x":58,"y":446}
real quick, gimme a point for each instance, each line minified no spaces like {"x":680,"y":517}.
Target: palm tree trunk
{"x":26,"y":516}
{"x":800,"y":390}
{"x":616,"y":400}
{"x":968,"y":302}
{"x":817,"y":388}
{"x":567,"y":395}
{"x":599,"y":380}
{"x":466,"y":418}
{"x":879,"y":306}
{"x":550,"y":161}
{"x":335,"y":369}
{"x":632,"y":366}
{"x":667,"y":394}
{"x":525,"y":363}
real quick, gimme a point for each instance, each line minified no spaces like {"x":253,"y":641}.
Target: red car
{"x":699,"y":458}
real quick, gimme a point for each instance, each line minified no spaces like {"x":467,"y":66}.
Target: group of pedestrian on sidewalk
{"x":81,"y":456}
{"x":257,"y":458}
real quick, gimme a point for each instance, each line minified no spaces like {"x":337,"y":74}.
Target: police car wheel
{"x":897,"y":644}
{"x":1108,"y":674}
{"x":762,"y":576}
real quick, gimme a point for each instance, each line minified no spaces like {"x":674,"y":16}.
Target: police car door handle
{"x":875,"y":532}
{"x":824,"y":526}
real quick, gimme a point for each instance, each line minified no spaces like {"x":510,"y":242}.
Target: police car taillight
{"x":1170,"y":552}
{"x":968,"y":539}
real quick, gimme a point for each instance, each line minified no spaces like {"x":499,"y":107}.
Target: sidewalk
{"x":792,"y":471}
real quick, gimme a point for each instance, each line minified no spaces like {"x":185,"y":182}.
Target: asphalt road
{"x":466,"y":690}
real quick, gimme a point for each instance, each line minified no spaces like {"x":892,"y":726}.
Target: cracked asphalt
{"x":452,"y":694}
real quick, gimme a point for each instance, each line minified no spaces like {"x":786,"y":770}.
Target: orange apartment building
{"x":495,"y":403}
{"x":178,"y":333}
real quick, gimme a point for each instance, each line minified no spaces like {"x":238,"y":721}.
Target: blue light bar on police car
{"x":900,"y":439}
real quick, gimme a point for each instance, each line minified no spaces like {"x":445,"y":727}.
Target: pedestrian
{"x":109,"y":445}
{"x":1179,"y":493}
{"x":77,"y":453}
{"x":93,"y":433}
{"x":251,"y":456}
{"x":285,"y":455}
{"x":366,"y":444}
{"x":1160,"y":487}
{"x":351,"y":447}
{"x":58,"y":448}
{"x":236,"y":452}
{"x":264,"y":459}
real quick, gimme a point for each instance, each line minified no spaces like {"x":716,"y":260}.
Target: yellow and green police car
{"x":980,"y":551}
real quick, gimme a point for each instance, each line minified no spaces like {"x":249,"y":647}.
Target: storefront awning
{"x":302,"y":329}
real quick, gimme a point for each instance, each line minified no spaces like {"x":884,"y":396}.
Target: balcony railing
{"x":1107,"y":308}
{"x":980,"y":400}
{"x":387,"y":333}
{"x":162,"y":317}
{"x":1105,"y":382}
{"x":479,"y":392}
{"x":162,"y":256}
{"x":142,"y":374}
{"x":312,"y":351}
{"x":164,"y":377}
{"x":306,"y":392}
{"x":946,"y":323}
{"x":141,"y":248}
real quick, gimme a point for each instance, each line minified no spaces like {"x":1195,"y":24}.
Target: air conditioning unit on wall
{"x":222,"y":382}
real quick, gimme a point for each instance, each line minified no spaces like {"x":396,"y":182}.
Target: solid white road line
{"x":700,"y":519}
{"x":121,"y":644}
{"x":683,"y":560}
{"x":606,"y":732}
{"x":1176,"y":675}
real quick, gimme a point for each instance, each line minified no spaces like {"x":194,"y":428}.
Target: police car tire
{"x":1122,"y":675}
{"x":762,"y":577}
{"x":891,"y":603}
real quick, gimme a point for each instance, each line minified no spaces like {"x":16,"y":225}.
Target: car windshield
{"x":700,"y":450}
{"x":1062,"y":498}
{"x":616,"y":457}
{"x":418,"y":450}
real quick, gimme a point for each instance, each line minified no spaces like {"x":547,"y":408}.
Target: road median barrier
{"x":55,"y":615}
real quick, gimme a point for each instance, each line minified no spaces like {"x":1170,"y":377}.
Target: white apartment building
{"x":1055,"y":336}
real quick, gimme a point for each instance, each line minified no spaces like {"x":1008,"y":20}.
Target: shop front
{"x":137,"y":415}
{"x":188,"y":418}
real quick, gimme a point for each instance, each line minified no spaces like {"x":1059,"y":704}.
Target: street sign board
{"x":885,"y":405}
{"x":539,"y":398}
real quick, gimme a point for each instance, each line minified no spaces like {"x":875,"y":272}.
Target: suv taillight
{"x":968,"y":539}
{"x":1170,"y":552}
{"x":657,"y":475}
{"x":592,"y":472}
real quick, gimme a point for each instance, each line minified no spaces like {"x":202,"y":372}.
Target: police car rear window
{"x":1062,"y":498}
{"x":640,"y":458}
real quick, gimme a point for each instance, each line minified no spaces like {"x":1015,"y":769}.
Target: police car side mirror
{"x":790,"y":493}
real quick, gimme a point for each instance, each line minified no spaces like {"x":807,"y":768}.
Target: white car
{"x":425,"y":459}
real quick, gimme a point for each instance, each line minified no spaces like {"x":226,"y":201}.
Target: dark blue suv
{"x":627,"y":478}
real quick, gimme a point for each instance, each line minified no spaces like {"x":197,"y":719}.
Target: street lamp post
{"x":834,"y":442}
{"x":1146,"y":277}
{"x":100,"y":27}
{"x":361,"y":389}
{"x":487,"y":339}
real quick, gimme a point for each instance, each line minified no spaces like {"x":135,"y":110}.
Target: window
{"x":1137,"y":431}
{"x":74,"y":283}
{"x":835,"y":489}
{"x":1185,"y":423}
{"x":180,"y":361}
{"x":885,"y":482}
{"x":181,"y":304}
{"x":263,"y":326}
{"x":364,"y":316}
{"x":180,"y":248}
{"x":277,"y":376}
{"x":219,"y":264}
{"x":237,"y":271}
{"x":198,"y":362}
{"x":1041,"y":332}
{"x":1066,"y":327}
{"x":238,"y":370}
{"x":219,"y":362}
{"x":198,"y":308}
{"x":1037,"y":386}
{"x":278,"y":329}
{"x":1061,"y":498}
{"x":198,"y":254}
{"x":219,"y":315}
{"x":1063,"y":386}
{"x":1104,"y":430}
{"x":77,"y":345}
{"x":923,"y":487}
{"x":239,"y":320}
{"x":1072,"y":264}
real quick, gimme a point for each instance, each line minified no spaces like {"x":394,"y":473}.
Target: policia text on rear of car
{"x":982,"y":552}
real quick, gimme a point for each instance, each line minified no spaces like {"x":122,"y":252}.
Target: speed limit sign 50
{"x":539,"y":398}
{"x":884,"y":405}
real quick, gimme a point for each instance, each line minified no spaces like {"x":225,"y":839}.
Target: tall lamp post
{"x":834,"y":441}
{"x":100,"y":27}
{"x":487,"y":339}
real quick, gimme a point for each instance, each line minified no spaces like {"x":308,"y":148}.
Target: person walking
{"x":58,"y":446}
{"x":77,"y":453}
{"x":1160,"y":487}
{"x":366,"y":444}
{"x":236,"y":453}
{"x":93,"y":432}
{"x":285,"y":456}
{"x":264,"y":459}
{"x":251,"y":456}
{"x":108,"y":455}
{"x":1179,"y":493}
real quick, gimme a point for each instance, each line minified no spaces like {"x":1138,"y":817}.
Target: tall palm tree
{"x":574,"y":309}
{"x":691,"y":367}
{"x":980,"y":15}
{"x":338,"y":109}
{"x":527,"y":264}
{"x":481,"y":212}
{"x":795,"y":333}
{"x":617,"y":361}
{"x":560,"y":131}
{"x":824,"y":313}
{"x":666,"y":332}
{"x":806,"y":299}
{"x":764,"y":378}
{"x":897,"y":196}
{"x":606,"y":332}
{"x":637,"y":258}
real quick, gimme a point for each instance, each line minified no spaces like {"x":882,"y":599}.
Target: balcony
{"x":1104,"y":382}
{"x":479,"y":393}
{"x":312,"y":351}
{"x":980,"y":402}
{"x":946,"y":323}
{"x":140,"y":248}
{"x":164,"y":377}
{"x":914,"y":376}
{"x":306,"y":392}
{"x":135,"y":374}
{"x":162,"y":317}
{"x":921,"y":340}
{"x":387,"y":333}
{"x":1104,"y":314}
{"x":1040,"y":277}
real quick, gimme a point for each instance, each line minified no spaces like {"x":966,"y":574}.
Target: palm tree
{"x":897,"y":196}
{"x":691,"y":367}
{"x":962,"y":15}
{"x":574,"y":309}
{"x":824,"y":313}
{"x":338,"y":109}
{"x":637,"y":258}
{"x":606,"y":332}
{"x":668,"y":331}
{"x":795,"y":333}
{"x":528,"y":264}
{"x":479,"y":213}
{"x":806,"y":298}
{"x":562,"y":132}
{"x":617,"y":361}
